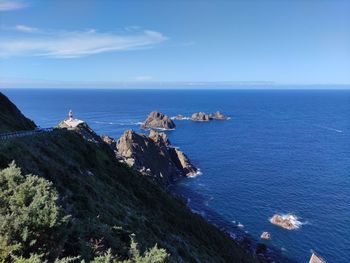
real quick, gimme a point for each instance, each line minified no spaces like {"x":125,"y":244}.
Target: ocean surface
{"x":281,"y":152}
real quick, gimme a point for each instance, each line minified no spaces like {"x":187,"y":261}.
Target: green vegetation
{"x":107,"y":202}
{"x":30,"y":218}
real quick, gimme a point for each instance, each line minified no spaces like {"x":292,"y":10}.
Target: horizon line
{"x":45,"y":84}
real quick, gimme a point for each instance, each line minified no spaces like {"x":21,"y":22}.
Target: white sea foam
{"x":196,"y":174}
{"x":182,"y":119}
{"x":240,"y":225}
{"x":330,"y":129}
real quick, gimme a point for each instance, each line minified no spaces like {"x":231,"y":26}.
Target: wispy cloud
{"x":73,"y":44}
{"x":26,"y":29}
{"x":8,"y":5}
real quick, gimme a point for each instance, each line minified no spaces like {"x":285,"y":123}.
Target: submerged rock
{"x":158,"y":120}
{"x":288,"y":221}
{"x":153,"y":155}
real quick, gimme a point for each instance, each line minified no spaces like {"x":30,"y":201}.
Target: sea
{"x":281,"y":151}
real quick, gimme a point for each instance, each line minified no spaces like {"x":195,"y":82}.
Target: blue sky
{"x":66,"y":42}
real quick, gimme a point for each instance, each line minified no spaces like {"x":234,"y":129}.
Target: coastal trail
{"x":16,"y":134}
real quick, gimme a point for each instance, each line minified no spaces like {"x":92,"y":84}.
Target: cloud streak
{"x":9,"y":5}
{"x":26,"y":29}
{"x":74,"y":44}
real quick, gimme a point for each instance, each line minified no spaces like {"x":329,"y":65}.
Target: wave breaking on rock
{"x":287,"y":221}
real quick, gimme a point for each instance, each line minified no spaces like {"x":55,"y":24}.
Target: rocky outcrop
{"x":109,"y":140}
{"x":11,"y":118}
{"x":288,"y":221}
{"x":157,"y":120}
{"x":265,"y":235}
{"x":219,"y":116}
{"x":82,"y":128}
{"x":200,"y":116}
{"x":153,"y":155}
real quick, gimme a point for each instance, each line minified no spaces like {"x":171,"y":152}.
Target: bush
{"x":153,"y":255}
{"x":31,"y":220}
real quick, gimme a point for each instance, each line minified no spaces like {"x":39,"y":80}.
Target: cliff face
{"x":153,"y":155}
{"x":11,"y":119}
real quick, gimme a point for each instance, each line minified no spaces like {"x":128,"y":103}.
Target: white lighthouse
{"x":71,"y":122}
{"x":70,"y":115}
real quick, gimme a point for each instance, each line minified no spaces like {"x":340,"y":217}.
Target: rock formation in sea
{"x":201,"y":116}
{"x":152,"y":155}
{"x":158,"y":120}
{"x":265,"y":235}
{"x":288,"y":221}
{"x":219,"y":116}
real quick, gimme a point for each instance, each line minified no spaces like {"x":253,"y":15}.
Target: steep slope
{"x":108,"y":202}
{"x":11,"y":119}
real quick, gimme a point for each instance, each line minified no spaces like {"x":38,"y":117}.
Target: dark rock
{"x":11,"y":119}
{"x":157,"y":120}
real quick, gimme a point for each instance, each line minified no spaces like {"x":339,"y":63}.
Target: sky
{"x":161,"y":42}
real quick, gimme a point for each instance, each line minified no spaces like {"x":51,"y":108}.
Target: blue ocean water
{"x":281,"y":152}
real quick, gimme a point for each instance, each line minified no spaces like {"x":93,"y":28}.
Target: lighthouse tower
{"x":70,"y":115}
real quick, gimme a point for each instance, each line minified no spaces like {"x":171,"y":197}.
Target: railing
{"x":10,"y":135}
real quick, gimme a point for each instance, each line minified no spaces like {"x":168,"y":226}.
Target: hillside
{"x":107,"y":202}
{"x":11,"y":119}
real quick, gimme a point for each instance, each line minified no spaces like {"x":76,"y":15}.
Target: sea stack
{"x":201,"y":116}
{"x":158,"y":120}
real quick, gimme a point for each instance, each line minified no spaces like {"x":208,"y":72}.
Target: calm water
{"x":282,"y":152}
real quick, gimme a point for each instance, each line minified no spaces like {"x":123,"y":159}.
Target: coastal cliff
{"x":96,"y":207}
{"x":11,"y":118}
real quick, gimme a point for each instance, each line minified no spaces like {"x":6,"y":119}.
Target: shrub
{"x":31,"y":220}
